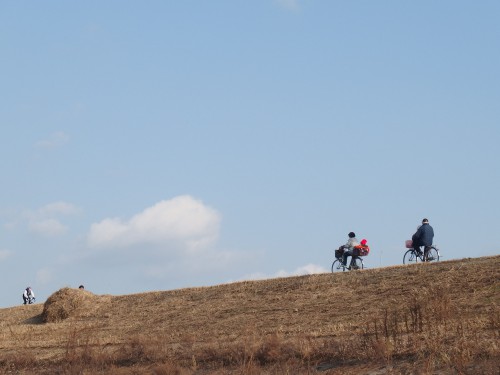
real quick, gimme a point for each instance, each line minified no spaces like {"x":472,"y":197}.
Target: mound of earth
{"x":66,"y":303}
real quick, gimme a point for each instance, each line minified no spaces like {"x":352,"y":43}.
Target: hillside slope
{"x":426,"y":318}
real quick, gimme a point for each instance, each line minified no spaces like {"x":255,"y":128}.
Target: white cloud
{"x":292,"y":5}
{"x":46,"y":220}
{"x":47,"y":227}
{"x":55,"y":140}
{"x":62,"y":208}
{"x":308,"y":269}
{"x":182,"y":221}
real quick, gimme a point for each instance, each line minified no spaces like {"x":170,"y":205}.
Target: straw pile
{"x":65,"y":303}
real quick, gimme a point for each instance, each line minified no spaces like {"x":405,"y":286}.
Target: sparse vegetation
{"x":418,"y":319}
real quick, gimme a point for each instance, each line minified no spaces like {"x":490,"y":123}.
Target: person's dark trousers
{"x":345,"y":255}
{"x":416,"y":247}
{"x":426,"y":251}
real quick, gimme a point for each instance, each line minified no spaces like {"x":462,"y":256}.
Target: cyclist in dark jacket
{"x":423,"y":236}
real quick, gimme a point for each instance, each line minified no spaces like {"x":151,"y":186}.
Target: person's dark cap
{"x":425,"y":221}
{"x":351,"y":235}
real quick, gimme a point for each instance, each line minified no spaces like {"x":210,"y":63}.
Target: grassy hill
{"x":420,"y":319}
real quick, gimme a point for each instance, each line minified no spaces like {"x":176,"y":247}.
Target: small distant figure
{"x":423,"y":237}
{"x":81,"y":287}
{"x":28,"y":296}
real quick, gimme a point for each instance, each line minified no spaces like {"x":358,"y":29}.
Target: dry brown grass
{"x":68,"y":302}
{"x":421,"y":319}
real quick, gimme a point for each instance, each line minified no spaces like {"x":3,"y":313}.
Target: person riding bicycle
{"x":423,"y":237}
{"x":348,"y":247}
{"x":28,"y":295}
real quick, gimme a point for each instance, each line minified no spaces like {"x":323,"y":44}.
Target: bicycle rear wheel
{"x":410,"y":257}
{"x":337,"y":266}
{"x":357,"y":264}
{"x":432,"y":255}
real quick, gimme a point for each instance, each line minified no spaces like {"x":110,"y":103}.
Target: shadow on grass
{"x":37,"y":319}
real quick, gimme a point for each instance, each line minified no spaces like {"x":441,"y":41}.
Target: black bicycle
{"x":30,"y":300}
{"x":430,"y":254}
{"x":356,"y":262}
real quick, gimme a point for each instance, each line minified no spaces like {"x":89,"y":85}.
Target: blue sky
{"x":168,"y":144}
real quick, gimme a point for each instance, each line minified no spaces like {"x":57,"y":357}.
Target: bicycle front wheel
{"x":337,"y":266}
{"x":410,"y":257}
{"x":432,"y":255}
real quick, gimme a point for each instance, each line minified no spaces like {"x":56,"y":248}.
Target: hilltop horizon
{"x":440,"y":316}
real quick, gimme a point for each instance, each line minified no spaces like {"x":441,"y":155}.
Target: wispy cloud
{"x":292,"y":5}
{"x":46,"y":220}
{"x":62,"y":208}
{"x":47,"y":227}
{"x":182,"y":221}
{"x":309,"y":269}
{"x":4,"y":254}
{"x":55,"y":140}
